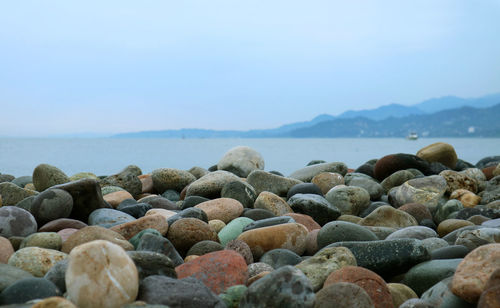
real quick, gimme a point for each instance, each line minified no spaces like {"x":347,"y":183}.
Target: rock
{"x":488,"y":161}
{"x":396,"y":179}
{"x":381,"y":232}
{"x":224,"y":209}
{"x":6,"y":250}
{"x":6,"y":178}
{"x":22,"y":181}
{"x":110,"y":280}
{"x":186,"y":232}
{"x":418,"y":211}
{"x":344,"y":295}
{"x":28,"y":289}
{"x":10,"y":274}
{"x":327,"y":180}
{"x":467,"y":198}
{"x":92,"y":233}
{"x":210,"y":185}
{"x":389,"y":164}
{"x":265,"y":181}
{"x":241,"y":160}
{"x":159,"y":202}
{"x":280,"y":257}
{"x":150,"y":263}
{"x":198,"y":172}
{"x":51,"y":204}
{"x":290,"y":236}
{"x":26,"y":203}
{"x":110,"y":189}
{"x":400,"y":293}
{"x":312,"y":242}
{"x":440,"y":295}
{"x":171,"y":195}
{"x":451,"y":237}
{"x":478,"y":219}
{"x":439,"y":152}
{"x":473,"y":272}
{"x":217,"y":225}
{"x":449,"y":225}
{"x":284,"y":287}
{"x":257,"y":214}
{"x":372,"y":283}
{"x":159,"y":244}
{"x":242,"y":248}
{"x":315,"y":206}
{"x":457,"y":180}
{"x":188,"y":213}
{"x":272,"y":202}
{"x":108,"y":218}
{"x":62,"y":223}
{"x":207,"y":269}
{"x":192,"y":201}
{"x":349,"y":199}
{"x":13,"y":194}
{"x":233,"y":295}
{"x":240,"y":191}
{"x":168,"y":178}
{"x":449,"y":252}
{"x":45,"y":176}
{"x":444,"y":210}
{"x":139,"y":210}
{"x":426,"y":191}
{"x":373,"y":206}
{"x":304,"y":220}
{"x":87,"y":197}
{"x":423,"y":276}
{"x":188,"y":292}
{"x":233,"y":229}
{"x":48,"y":240}
{"x":268,"y":222}
{"x":136,"y":239}
{"x":57,"y":274}
{"x":387,"y":257}
{"x":165,"y":213}
{"x":387,"y":216}
{"x":36,"y":261}
{"x":304,"y":188}
{"x":416,"y":232}
{"x":126,"y":179}
{"x":204,"y":247}
{"x":82,"y":175}
{"x":337,"y":231}
{"x":318,"y":267}
{"x":475,"y":238}
{"x":307,"y":173}
{"x":489,"y":298}
{"x":117,"y":197}
{"x":54,"y":301}
{"x":257,"y":268}
{"x":15,"y":221}
{"x":129,"y":229}
{"x":364,"y":181}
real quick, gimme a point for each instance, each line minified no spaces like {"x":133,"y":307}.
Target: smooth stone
{"x":115,"y":198}
{"x":150,"y":263}
{"x":305,"y":220}
{"x":427,"y":191}
{"x":349,"y":199}
{"x":210,"y":185}
{"x":452,"y":236}
{"x":307,"y":173}
{"x":107,"y":218}
{"x":188,"y":292}
{"x":338,"y":231}
{"x":233,"y":295}
{"x":225,"y":209}
{"x":152,"y":242}
{"x":198,"y":172}
{"x":349,"y":218}
{"x":165,"y":213}
{"x":387,"y":257}
{"x":280,"y":257}
{"x":284,"y":287}
{"x":370,"y":185}
{"x":126,"y":179}
{"x":48,"y":240}
{"x":423,"y":276}
{"x":110,"y":280}
{"x":206,"y":268}
{"x":315,"y":206}
{"x":434,"y":243}
{"x":129,"y":229}
{"x":204,"y":247}
{"x":304,"y":188}
{"x":168,"y":178}
{"x":22,"y":181}
{"x":290,"y":236}
{"x":258,"y":214}
{"x":265,"y":181}
{"x":494,"y":223}
{"x":418,"y":211}
{"x":272,"y":202}
{"x":15,"y":221}
{"x":241,"y":191}
{"x":373,"y":206}
{"x":13,"y":194}
{"x":257,"y":268}
{"x":233,"y":229}
{"x":440,"y":295}
{"x":328,"y":260}
{"x":45,"y":176}
{"x":137,"y":210}
{"x":188,"y":213}
{"x":488,"y":161}
{"x":16,"y":241}
{"x":92,"y":233}
{"x":186,"y":232}
{"x":327,"y":180}
{"x":135,"y":240}
{"x":490,"y":298}
{"x":389,"y":164}
{"x":192,"y":201}
{"x":57,"y":274}
{"x":28,"y":289}
{"x":6,"y":178}
{"x":171,"y":195}
{"x":158,"y":202}
{"x":475,"y":238}
{"x":26,"y":203}
{"x":387,"y":216}
{"x":312,"y":242}
{"x":217,"y":225}
{"x":466,"y":213}
{"x":6,"y":250}
{"x":241,"y":160}
{"x":450,"y":225}
{"x":381,"y":232}
{"x":54,"y":301}
{"x":110,"y":189}
{"x":449,"y":252}
{"x":439,"y":152}
{"x":35,"y":260}
{"x":82,"y":175}
{"x":416,"y":303}
{"x":396,"y":179}
{"x":372,"y":283}
{"x":443,"y":211}
{"x":400,"y":293}
{"x":416,"y":232}
{"x":344,"y":295}
{"x":62,"y":223}
{"x":268,"y":222}
{"x":10,"y":274}
{"x":457,"y":180}
{"x":242,"y":248}
{"x":87,"y":197}
{"x":467,"y":198}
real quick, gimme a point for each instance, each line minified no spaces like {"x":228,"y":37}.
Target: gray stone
{"x":304,"y":188}
{"x":434,"y":243}
{"x":57,"y":274}
{"x":150,"y":263}
{"x":440,"y":295}
{"x":12,"y":194}
{"x":210,"y":185}
{"x":22,"y":180}
{"x":15,"y":221}
{"x":449,"y":252}
{"x":475,"y":238}
{"x":257,"y":268}
{"x":280,"y":257}
{"x":266,"y":181}
{"x":159,"y":244}
{"x":315,"y":206}
{"x":198,"y":172}
{"x":416,"y":232}
{"x":443,"y":211}
{"x":168,"y":178}
{"x":204,"y":247}
{"x":423,"y":276}
{"x":427,"y":191}
{"x":241,"y":161}
{"x":349,"y":199}
{"x":338,"y":231}
{"x":396,"y":179}
{"x":45,"y":176}
{"x":126,"y":179}
{"x":307,"y":173}
{"x":10,"y":274}
{"x":108,"y":218}
{"x":51,"y":204}
{"x":28,"y":289}
{"x":241,"y":191}
{"x":369,"y":184}
{"x":268,"y":222}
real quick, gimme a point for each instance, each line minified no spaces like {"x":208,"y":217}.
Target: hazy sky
{"x":119,"y":66}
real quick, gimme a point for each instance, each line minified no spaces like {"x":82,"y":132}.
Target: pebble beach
{"x":403,"y":230}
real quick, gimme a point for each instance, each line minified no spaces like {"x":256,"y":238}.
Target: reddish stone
{"x":312,"y":242}
{"x":218,"y":270}
{"x":62,"y":223}
{"x":372,"y":283}
{"x":183,"y":192}
{"x":490,"y":298}
{"x":147,"y":183}
{"x":488,"y":172}
{"x":129,"y":229}
{"x":6,"y":250}
{"x":305,"y":220}
{"x":65,"y":233}
{"x":417,"y":210}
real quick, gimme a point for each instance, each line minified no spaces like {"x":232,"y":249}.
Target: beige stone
{"x":6,"y":250}
{"x":35,"y":260}
{"x":225,"y":209}
{"x":468,"y":198}
{"x":450,"y":225}
{"x":327,"y":181}
{"x":165,"y":213}
{"x":216,"y":225}
{"x":400,"y":293}
{"x":387,"y":216}
{"x":54,"y":302}
{"x":115,"y":198}
{"x":147,"y":183}
{"x":272,"y":202}
{"x":92,"y":233}
{"x":129,"y":229}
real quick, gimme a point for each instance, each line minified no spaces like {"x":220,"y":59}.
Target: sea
{"x":105,"y":156}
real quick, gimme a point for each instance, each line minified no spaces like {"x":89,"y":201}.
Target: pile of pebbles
{"x":403,"y":230}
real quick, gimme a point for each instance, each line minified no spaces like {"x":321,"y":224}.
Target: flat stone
{"x":338,"y":231}
{"x":416,"y":232}
{"x":440,"y":295}
{"x":449,"y":252}
{"x":307,"y":173}
{"x":268,"y":222}
{"x":204,"y":247}
{"x":115,"y":198}
{"x":450,"y":225}
{"x":62,"y":223}
{"x":427,"y":191}
{"x":305,"y":220}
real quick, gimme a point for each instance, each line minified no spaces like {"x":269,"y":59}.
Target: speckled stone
{"x":211,"y":184}
{"x":36,"y":261}
{"x":266,"y":181}
{"x":349,"y":199}
{"x":344,"y":295}
{"x":13,"y":194}
{"x":129,"y":229}
{"x":168,"y":178}
{"x":272,"y":202}
{"x":337,"y":231}
{"x":241,"y":191}
{"x":45,"y":176}
{"x":92,"y":233}
{"x":186,"y":232}
{"x":49,"y":240}
{"x":427,"y":191}
{"x":423,"y":276}
{"x":327,"y":180}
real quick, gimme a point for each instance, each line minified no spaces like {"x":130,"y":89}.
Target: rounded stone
{"x":22,"y":181}
{"x":258,"y":267}
{"x":168,"y":178}
{"x":426,"y":190}
{"x":304,"y":188}
{"x":266,"y":181}
{"x":389,"y":164}
{"x":457,"y":180}
{"x":217,"y":225}
{"x":51,"y":204}
{"x":107,"y":218}
{"x":10,"y":274}
{"x":258,"y":214}
{"x":204,"y":247}
{"x":13,"y":194}
{"x":349,"y":199}
{"x":327,"y":180}
{"x":315,"y":206}
{"x":443,"y":211}
{"x":211,"y":184}
{"x":150,"y":263}
{"x":241,"y":191}
{"x":92,"y":233}
{"x":368,"y":183}
{"x":241,"y":160}
{"x":450,"y":225}
{"x":35,"y":260}
{"x":57,"y":274}
{"x":45,"y":176}
{"x":400,"y":293}
{"x":467,"y":198}
{"x":242,"y":248}
{"x":110,"y":280}
{"x":15,"y":221}
{"x":115,"y":198}
{"x":28,"y":289}
{"x":233,"y":229}
{"x":225,"y":209}
{"x":306,"y":174}
{"x":396,"y":179}
{"x":338,"y":231}
{"x":129,"y":229}
{"x":49,"y":240}
{"x":54,"y":301}
{"x":62,"y":223}
{"x":423,"y":276}
{"x":186,"y":232}
{"x":441,"y":152}
{"x":233,"y":295}
{"x":280,"y":257}
{"x":387,"y":216}
{"x":449,"y":252}
{"x":416,"y":232}
{"x":305,"y":220}
{"x":343,"y":295}
{"x":272,"y":202}
{"x":418,"y":211}
{"x":475,"y":238}
{"x":6,"y":250}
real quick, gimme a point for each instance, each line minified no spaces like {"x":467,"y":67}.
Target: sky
{"x":123,"y":66}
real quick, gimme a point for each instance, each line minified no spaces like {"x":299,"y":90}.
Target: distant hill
{"x":383,"y":112}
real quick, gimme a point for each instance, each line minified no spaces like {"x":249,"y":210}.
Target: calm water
{"x":107,"y":156}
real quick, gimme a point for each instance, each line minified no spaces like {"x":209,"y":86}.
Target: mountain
{"x":383,"y":112}
{"x":449,"y":102}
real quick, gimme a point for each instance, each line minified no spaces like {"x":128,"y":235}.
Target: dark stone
{"x":10,"y":274}
{"x":171,"y":195}
{"x":135,"y":240}
{"x":158,"y":202}
{"x":373,"y":206}
{"x":258,"y":214}
{"x":240,"y":191}
{"x":136,"y":210}
{"x":341,"y":231}
{"x":51,"y":204}
{"x":436,"y":167}
{"x":127,"y":202}
{"x":387,"y":257}
{"x":87,"y":197}
{"x":304,"y":188}
{"x":192,"y":201}
{"x":192,"y":212}
{"x":126,"y":179}
{"x":26,"y":203}
{"x":466,"y":213}
{"x":57,"y":274}
{"x":159,"y":244}
{"x":389,"y":164}
{"x":488,"y":161}
{"x":366,"y":168}
{"x":27,"y":289}
{"x":440,"y":295}
{"x":429,"y":223}
{"x":449,"y":252}
{"x":462,"y":165}
{"x":315,"y":162}
{"x":15,"y":221}
{"x":212,"y":168}
{"x":315,"y":206}
{"x":268,"y":222}
{"x":204,"y":247}
{"x":187,"y":292}
{"x":280,"y":257}
{"x":151,"y":263}
{"x":108,"y":218}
